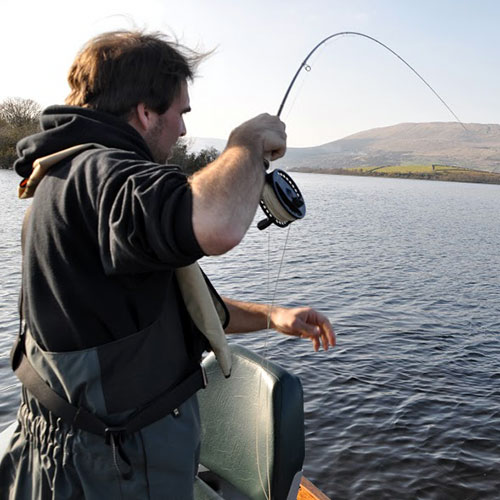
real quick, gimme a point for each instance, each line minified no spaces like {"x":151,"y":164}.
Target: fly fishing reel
{"x":281,"y":200}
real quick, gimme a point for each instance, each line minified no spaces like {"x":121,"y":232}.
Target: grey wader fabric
{"x":47,"y":459}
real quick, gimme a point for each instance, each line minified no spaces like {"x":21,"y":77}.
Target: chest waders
{"x":80,"y":449}
{"x":116,"y":421}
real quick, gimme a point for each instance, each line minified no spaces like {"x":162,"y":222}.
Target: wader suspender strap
{"x":162,"y":405}
{"x":82,"y":419}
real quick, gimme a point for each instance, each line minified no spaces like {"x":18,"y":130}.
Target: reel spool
{"x":281,"y":200}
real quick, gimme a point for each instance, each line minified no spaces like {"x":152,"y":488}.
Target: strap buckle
{"x":113,"y":432}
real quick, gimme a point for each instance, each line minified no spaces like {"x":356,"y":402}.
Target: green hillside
{"x":428,"y":172}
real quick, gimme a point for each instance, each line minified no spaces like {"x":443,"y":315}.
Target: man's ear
{"x":142,"y":118}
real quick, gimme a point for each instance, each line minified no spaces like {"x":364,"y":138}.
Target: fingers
{"x":320,"y":335}
{"x":274,"y":140}
{"x":326,"y":338}
{"x":327,"y":334}
{"x":316,"y":344}
{"x":273,"y":135}
{"x":265,"y":132}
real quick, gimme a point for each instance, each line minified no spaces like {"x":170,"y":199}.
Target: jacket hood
{"x":67,"y":126}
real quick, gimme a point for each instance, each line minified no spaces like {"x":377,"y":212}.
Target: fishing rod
{"x":281,"y":201}
{"x":356,"y":33}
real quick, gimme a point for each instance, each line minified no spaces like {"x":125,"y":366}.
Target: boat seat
{"x":5,"y":437}
{"x":252,"y":430}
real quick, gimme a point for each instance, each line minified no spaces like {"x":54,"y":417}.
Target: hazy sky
{"x":354,"y":84}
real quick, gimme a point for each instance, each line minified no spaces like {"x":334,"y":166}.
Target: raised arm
{"x":301,"y":322}
{"x":226,"y":192}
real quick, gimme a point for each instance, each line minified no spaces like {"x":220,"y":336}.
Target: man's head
{"x":161,"y":131}
{"x":138,"y":77}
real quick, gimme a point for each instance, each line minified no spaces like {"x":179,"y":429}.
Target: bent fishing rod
{"x":281,"y":201}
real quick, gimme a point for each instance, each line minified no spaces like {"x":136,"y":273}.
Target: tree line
{"x":20,"y":117}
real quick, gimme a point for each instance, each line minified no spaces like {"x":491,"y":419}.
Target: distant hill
{"x":196,"y":144}
{"x":476,"y":147}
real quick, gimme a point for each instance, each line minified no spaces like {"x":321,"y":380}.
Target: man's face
{"x":169,"y":126}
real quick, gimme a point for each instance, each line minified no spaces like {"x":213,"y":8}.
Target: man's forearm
{"x":302,"y":322}
{"x":225,"y":196}
{"x":226,"y":192}
{"x":246,"y":316}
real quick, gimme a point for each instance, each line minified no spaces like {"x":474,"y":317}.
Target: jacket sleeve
{"x":145,"y":219}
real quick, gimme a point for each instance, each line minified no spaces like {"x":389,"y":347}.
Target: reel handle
{"x":264,"y":223}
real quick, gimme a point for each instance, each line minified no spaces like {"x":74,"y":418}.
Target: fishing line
{"x":259,"y":392}
{"x":271,"y":301}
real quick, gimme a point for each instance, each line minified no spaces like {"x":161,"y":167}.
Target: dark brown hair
{"x":116,"y":71}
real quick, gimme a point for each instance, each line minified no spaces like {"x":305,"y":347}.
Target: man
{"x":107,"y":331}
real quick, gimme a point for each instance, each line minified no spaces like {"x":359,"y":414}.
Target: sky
{"x":354,"y":84}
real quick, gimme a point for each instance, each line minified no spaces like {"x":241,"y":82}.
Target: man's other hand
{"x":306,"y":323}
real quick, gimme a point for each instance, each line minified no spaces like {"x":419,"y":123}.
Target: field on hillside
{"x":429,"y":172}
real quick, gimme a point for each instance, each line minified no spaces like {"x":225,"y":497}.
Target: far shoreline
{"x":444,"y":173}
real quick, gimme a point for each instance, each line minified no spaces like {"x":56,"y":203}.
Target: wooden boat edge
{"x":307,"y":491}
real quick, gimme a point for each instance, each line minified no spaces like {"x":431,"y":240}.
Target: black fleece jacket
{"x":107,"y":228}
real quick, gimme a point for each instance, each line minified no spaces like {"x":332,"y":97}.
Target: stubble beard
{"x":153,"y":140}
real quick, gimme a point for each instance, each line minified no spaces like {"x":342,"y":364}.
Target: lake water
{"x":407,"y":406}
